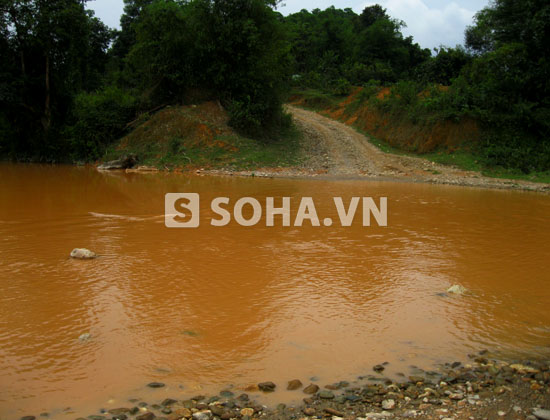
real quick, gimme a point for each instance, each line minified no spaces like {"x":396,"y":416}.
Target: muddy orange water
{"x":216,"y":308}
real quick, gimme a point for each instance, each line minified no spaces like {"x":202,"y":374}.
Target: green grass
{"x":317,"y":100}
{"x":462,"y":158}
{"x":243,"y":153}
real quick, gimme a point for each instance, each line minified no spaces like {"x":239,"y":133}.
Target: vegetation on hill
{"x":70,"y":86}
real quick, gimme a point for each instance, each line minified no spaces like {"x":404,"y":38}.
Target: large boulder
{"x":124,"y":162}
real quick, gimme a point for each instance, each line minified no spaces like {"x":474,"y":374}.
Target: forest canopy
{"x":69,"y":85}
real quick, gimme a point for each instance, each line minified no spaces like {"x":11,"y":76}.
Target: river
{"x":215,"y":308}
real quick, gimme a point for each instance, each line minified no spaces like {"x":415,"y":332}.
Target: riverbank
{"x":197,"y":139}
{"x":484,"y":388}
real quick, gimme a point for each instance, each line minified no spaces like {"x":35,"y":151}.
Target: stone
{"x":146,"y":416}
{"x":311,"y":389}
{"x":501,"y":413}
{"x":326,"y":395}
{"x":85,"y":337}
{"x":383,"y":415}
{"x":124,"y":162}
{"x":247,"y":412}
{"x":183,"y":412}
{"x":217,"y":410}
{"x":541,"y":414}
{"x":155,"y":385}
{"x":202,"y":415}
{"x":227,"y":394}
{"x":142,"y":168}
{"x":117,"y":411}
{"x":28,"y":418}
{"x":167,"y":402}
{"x":334,"y":412}
{"x":457,"y":289}
{"x":523,"y":369}
{"x":456,"y":396}
{"x":267,"y":386}
{"x":388,"y":404}
{"x":378,"y":368}
{"x":83,"y":254}
{"x":308,"y":411}
{"x":294,"y":385}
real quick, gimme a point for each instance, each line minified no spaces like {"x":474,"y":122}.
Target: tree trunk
{"x":47,"y":119}
{"x":23,"y":69}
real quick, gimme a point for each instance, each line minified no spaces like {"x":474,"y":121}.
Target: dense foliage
{"x":70,"y":86}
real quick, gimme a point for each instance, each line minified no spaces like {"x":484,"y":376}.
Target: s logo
{"x":181,"y":210}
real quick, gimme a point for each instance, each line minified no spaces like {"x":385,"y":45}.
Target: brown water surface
{"x":209,"y":308}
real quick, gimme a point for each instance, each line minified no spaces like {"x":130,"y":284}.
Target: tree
{"x":60,"y":50}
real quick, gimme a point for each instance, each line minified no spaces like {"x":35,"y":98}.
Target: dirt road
{"x":331,"y":149}
{"x":336,"y":149}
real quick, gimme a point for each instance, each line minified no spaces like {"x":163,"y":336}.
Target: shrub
{"x":98,"y":119}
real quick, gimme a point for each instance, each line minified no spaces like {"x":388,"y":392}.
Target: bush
{"x":98,"y":119}
{"x":513,"y":150}
{"x":341,"y":87}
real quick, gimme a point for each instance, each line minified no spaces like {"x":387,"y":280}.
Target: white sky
{"x":432,"y":23}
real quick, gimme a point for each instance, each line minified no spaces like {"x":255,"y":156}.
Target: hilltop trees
{"x":509,"y":81}
{"x":333,"y":44}
{"x":52,"y":50}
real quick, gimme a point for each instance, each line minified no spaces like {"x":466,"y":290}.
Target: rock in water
{"x":311,"y":389}
{"x":457,"y":289}
{"x":125,"y":162}
{"x":267,"y":386}
{"x":85,"y":337}
{"x":541,"y":414}
{"x":294,"y":384}
{"x":83,"y":254}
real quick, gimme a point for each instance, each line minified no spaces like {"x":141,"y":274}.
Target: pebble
{"x":311,"y":389}
{"x":308,"y":411}
{"x":202,"y":415}
{"x":382,"y":415}
{"x":378,"y":368}
{"x":334,"y":412}
{"x":183,"y":412}
{"x":388,"y":404}
{"x":227,"y":394}
{"x":326,"y":395}
{"x":155,"y":385}
{"x":146,"y":416}
{"x":247,"y":412}
{"x":267,"y":386}
{"x":456,"y":396}
{"x":28,"y":418}
{"x":501,"y":413}
{"x":541,"y":414}
{"x":117,"y":411}
{"x":294,"y":384}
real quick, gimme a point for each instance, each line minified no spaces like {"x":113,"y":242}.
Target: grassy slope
{"x":354,"y":110}
{"x":197,"y":136}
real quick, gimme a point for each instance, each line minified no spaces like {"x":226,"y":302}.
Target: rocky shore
{"x":482,"y":389}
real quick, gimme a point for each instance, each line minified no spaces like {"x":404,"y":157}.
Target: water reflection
{"x":213,"y":306}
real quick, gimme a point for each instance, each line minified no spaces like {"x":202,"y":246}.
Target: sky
{"x":432,"y":23}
